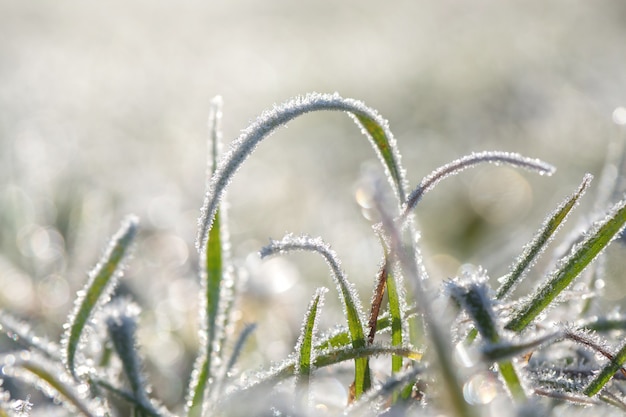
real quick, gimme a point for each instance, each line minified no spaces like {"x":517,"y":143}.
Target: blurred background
{"x":103,"y":112}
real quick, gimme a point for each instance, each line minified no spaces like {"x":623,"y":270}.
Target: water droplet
{"x":619,"y":116}
{"x":480,"y":389}
{"x":465,"y":355}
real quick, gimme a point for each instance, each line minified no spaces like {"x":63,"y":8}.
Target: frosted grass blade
{"x":377,"y":300}
{"x":390,"y":386}
{"x":372,"y":123}
{"x":239,"y":344}
{"x":213,"y":276}
{"x":328,"y":358}
{"x":22,"y":334}
{"x":543,"y":237}
{"x":304,"y":349}
{"x":607,"y":373}
{"x":96,"y":292}
{"x":347,"y":294}
{"x":570,"y":267}
{"x":473,"y":295}
{"x":54,"y":382}
{"x":453,"y":168}
{"x":121,"y":323}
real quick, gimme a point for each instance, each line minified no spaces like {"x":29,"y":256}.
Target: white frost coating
{"x":453,"y":168}
{"x":266,"y":124}
{"x":293,"y":243}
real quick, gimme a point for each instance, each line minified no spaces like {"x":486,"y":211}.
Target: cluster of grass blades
{"x":463,"y":349}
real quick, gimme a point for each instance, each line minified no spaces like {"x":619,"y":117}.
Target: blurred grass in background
{"x":103,"y":109}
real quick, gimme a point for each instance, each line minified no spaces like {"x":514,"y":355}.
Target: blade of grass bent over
{"x":352,"y":309}
{"x":102,"y":280}
{"x":571,"y":267}
{"x":372,"y":123}
{"x":50,"y":378}
{"x":461,"y":164}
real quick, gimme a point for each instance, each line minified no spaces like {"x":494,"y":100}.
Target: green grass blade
{"x":541,"y":239}
{"x":347,"y":294}
{"x":342,"y":337}
{"x":55,"y":383}
{"x":304,"y":348}
{"x":373,"y":124}
{"x":213,"y":274}
{"x":328,"y":358}
{"x":121,"y":323}
{"x":473,"y":295}
{"x":569,"y":268}
{"x":395,"y":312}
{"x":102,"y":280}
{"x":607,"y":373}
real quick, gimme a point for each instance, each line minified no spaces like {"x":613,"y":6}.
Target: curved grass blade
{"x":543,"y":237}
{"x":304,"y":348}
{"x":102,"y":280}
{"x":372,"y":123}
{"x":347,"y":294}
{"x":21,"y":333}
{"x":569,"y":268}
{"x":453,"y":168}
{"x":57,"y":384}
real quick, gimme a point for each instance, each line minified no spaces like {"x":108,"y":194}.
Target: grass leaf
{"x":347,"y":294}
{"x":461,"y":164}
{"x":102,"y":280}
{"x":213,"y":277}
{"x":569,"y":268}
{"x":373,"y":124}
{"x":55,"y":383}
{"x":607,"y":373}
{"x":544,"y":236}
{"x":304,"y":347}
